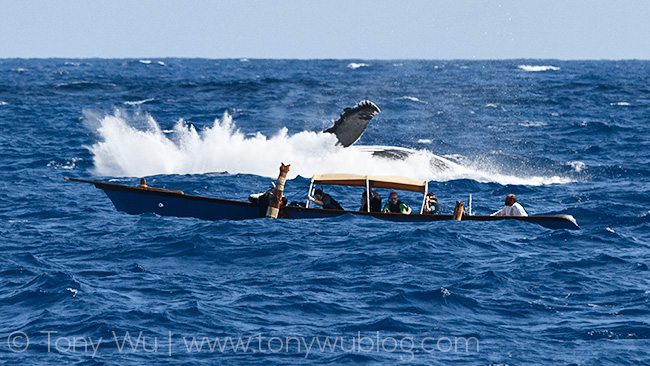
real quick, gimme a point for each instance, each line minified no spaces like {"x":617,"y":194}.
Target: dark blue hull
{"x":139,"y":200}
{"x":551,"y":222}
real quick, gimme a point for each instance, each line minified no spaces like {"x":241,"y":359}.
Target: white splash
{"x":125,"y":150}
{"x":625,"y":104}
{"x":355,"y":66}
{"x":533,"y":68}
{"x":424,"y":141}
{"x":67,"y":164}
{"x":74,"y":291}
{"x":146,"y":62}
{"x":577,"y":166}
{"x":3,"y":103}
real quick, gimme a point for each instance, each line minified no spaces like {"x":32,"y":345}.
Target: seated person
{"x":512,"y":208}
{"x":395,"y":205}
{"x":431,"y":200}
{"x":375,"y":202}
{"x":325,"y":200}
{"x":263,"y":199}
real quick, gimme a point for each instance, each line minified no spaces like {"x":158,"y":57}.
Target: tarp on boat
{"x":388,"y":182}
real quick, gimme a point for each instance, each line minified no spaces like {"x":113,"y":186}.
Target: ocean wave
{"x":83,"y":85}
{"x":354,"y":65}
{"x":534,"y":68}
{"x":126,"y":150}
{"x":532,"y":124}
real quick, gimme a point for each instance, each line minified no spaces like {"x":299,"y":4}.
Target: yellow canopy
{"x":388,"y":182}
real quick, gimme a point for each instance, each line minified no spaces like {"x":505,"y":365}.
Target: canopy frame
{"x":387,"y":182}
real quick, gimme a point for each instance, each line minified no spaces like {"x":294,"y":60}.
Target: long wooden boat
{"x":144,"y":199}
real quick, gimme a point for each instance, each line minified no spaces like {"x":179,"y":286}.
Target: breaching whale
{"x":353,"y":122}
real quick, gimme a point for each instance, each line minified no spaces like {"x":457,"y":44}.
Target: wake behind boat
{"x":144,"y":199}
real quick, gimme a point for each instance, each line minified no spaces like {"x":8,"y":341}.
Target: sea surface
{"x":567,"y":137}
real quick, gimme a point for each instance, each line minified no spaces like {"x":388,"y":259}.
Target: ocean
{"x":85,"y":284}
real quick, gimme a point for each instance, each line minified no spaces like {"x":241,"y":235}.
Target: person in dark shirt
{"x":431,"y":205}
{"x":395,"y":205}
{"x":325,"y":200}
{"x":375,"y":202}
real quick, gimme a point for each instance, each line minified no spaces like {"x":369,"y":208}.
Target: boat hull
{"x":551,"y":222}
{"x":138,"y":200}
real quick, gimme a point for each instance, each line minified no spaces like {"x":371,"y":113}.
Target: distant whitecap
{"x":4,"y":103}
{"x":538,"y":68}
{"x":354,"y":65}
{"x":491,"y":105}
{"x":139,"y":102}
{"x":146,"y":62}
{"x":424,"y":141}
{"x":413,"y":99}
{"x":620,"y":103}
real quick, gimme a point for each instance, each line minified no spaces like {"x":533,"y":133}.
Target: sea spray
{"x":135,"y":146}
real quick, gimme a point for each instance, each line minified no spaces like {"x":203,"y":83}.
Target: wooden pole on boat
{"x":459,"y":211}
{"x":275,"y":201}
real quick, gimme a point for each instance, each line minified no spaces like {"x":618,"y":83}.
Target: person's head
{"x":511,"y":200}
{"x":318,"y":193}
{"x":393,"y":197}
{"x":364,"y":196}
{"x":431,"y":197}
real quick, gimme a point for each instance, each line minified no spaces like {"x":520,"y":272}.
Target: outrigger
{"x":142,"y":199}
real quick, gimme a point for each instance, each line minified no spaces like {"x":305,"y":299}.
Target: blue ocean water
{"x":567,"y":137}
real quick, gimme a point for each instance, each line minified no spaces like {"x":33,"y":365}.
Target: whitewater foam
{"x":124,"y":150}
{"x":534,"y":68}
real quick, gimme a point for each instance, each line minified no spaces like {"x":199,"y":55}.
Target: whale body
{"x":353,"y":122}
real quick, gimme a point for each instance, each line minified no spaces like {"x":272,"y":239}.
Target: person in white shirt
{"x":512,"y":208}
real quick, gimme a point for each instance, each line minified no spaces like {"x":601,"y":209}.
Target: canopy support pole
{"x":367,"y":194}
{"x":309,"y":193}
{"x":424,"y":200}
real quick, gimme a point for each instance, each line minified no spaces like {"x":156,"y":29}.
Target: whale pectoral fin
{"x":353,"y":121}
